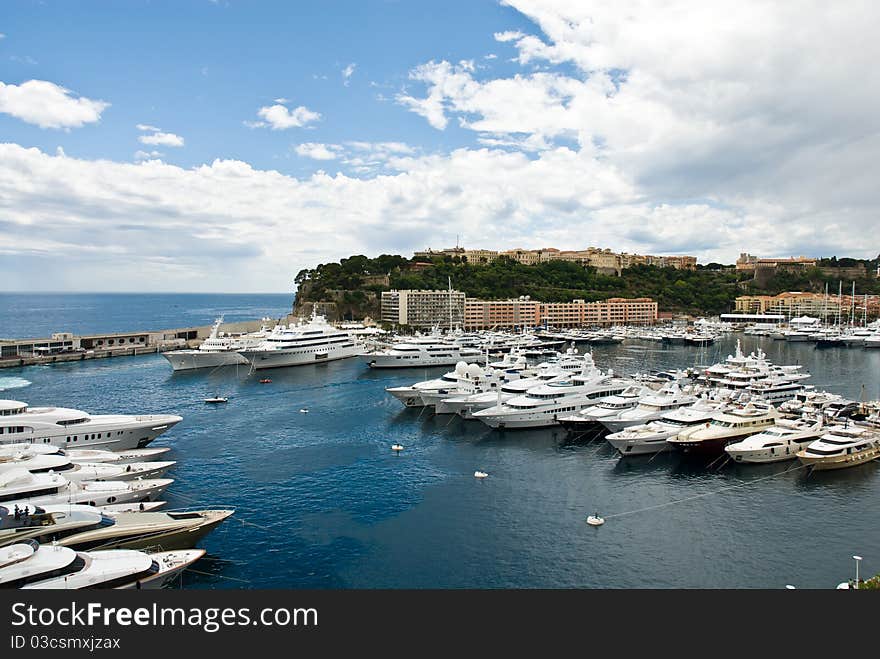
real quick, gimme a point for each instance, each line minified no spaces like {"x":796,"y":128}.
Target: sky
{"x":222,"y":146}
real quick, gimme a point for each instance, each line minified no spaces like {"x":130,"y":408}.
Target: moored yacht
{"x":725,"y":427}
{"x":650,"y":407}
{"x":779,"y":442}
{"x":651,"y":437}
{"x":309,"y":342}
{"x":589,"y":419}
{"x":544,"y":405}
{"x":29,"y":565}
{"x":841,"y":447}
{"x":86,"y":528}
{"x":420,"y":352}
{"x":216,"y":350}
{"x":19,"y":487}
{"x":69,"y":428}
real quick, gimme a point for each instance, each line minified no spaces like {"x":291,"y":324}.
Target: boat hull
{"x":188,"y":360}
{"x":829,"y":463}
{"x":263,"y":359}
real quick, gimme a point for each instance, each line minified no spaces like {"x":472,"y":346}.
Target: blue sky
{"x":200,"y":69}
{"x":223,"y":146}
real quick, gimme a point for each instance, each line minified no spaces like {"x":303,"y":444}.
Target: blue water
{"x":37,"y":315}
{"x":322,"y":501}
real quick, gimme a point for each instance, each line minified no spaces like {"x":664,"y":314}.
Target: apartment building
{"x":423,"y":308}
{"x":524,"y":312}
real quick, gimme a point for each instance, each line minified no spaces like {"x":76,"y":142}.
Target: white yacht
{"x":217,"y":350}
{"x":652,"y":437}
{"x":38,"y":462}
{"x":589,"y":418}
{"x":726,"y":426}
{"x":649,"y":408}
{"x":841,"y":447}
{"x":778,"y":442}
{"x":417,"y":352}
{"x":310,"y":342}
{"x":544,"y":405}
{"x":19,"y":487}
{"x":72,"y":428}
{"x":29,"y":565}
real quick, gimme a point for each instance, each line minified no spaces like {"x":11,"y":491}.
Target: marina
{"x":321,"y":501}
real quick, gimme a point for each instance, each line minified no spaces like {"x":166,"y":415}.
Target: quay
{"x":67,"y":347}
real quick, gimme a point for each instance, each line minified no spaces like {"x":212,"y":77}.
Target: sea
{"x":322,"y":501}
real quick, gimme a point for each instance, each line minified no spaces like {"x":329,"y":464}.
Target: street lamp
{"x":858,"y":560}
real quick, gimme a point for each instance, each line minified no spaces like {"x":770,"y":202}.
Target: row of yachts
{"x":80,"y":500}
{"x":745,"y":408}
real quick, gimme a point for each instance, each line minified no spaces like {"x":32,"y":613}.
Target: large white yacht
{"x":589,"y":419}
{"x":40,"y":462}
{"x":217,"y":350}
{"x":19,"y":487}
{"x":778,"y":442}
{"x":841,"y":447}
{"x":652,"y":437}
{"x":309,"y":342}
{"x":544,"y":405}
{"x":421,"y":351}
{"x":725,"y":427}
{"x":71,"y":428}
{"x":29,"y":565}
{"x":650,"y":407}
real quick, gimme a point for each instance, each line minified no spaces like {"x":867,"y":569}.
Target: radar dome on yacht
{"x":461,"y":368}
{"x":474,"y":370}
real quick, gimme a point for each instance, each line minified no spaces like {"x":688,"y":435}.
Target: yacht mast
{"x":825,"y":306}
{"x":852,"y":306}
{"x":839,"y":300}
{"x":449,"y":281}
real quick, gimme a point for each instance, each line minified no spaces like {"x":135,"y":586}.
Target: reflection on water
{"x":328,"y":504}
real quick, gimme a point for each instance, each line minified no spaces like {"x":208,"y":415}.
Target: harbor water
{"x":323,"y":502}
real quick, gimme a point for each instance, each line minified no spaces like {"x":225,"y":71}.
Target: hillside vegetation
{"x":710,"y":289}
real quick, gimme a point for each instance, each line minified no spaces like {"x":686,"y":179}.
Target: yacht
{"x":546,"y":372}
{"x":309,"y":342}
{"x":85,"y":527}
{"x":19,"y":487}
{"x":651,"y":437}
{"x":841,"y":447}
{"x":36,"y":463}
{"x":589,"y":419}
{"x":872,"y":341}
{"x":29,"y":565}
{"x":649,"y":408}
{"x":417,"y":352}
{"x":217,"y":350}
{"x":779,"y":442}
{"x":72,"y":428}
{"x":725,"y":427}
{"x":544,"y":405}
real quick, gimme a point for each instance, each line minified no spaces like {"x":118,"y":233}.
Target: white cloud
{"x":282,"y":100}
{"x":278,"y":117}
{"x":318,"y":151}
{"x":161,"y":139}
{"x":147,"y":155}
{"x":48,"y":105}
{"x":24,"y":59}
{"x":148,"y":127}
{"x":347,"y":72}
{"x":509,"y":35}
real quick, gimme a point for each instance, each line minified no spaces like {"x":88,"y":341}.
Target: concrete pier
{"x":67,"y":347}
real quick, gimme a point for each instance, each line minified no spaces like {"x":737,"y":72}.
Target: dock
{"x":67,"y":347}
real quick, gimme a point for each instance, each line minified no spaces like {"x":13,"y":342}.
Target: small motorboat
{"x":217,"y":399}
{"x":397,"y":447}
{"x":480,"y":474}
{"x":265,"y":381}
{"x":304,"y":410}
{"x":595,"y":520}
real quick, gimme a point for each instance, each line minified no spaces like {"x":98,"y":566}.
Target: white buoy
{"x":595,"y":520}
{"x":304,"y":410}
{"x":396,"y":447}
{"x":480,"y":474}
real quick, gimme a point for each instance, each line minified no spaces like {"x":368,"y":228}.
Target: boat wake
{"x":13,"y":383}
